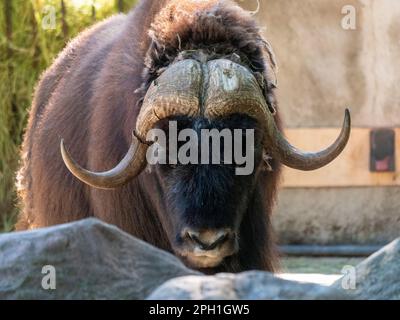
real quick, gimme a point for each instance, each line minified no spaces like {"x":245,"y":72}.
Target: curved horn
{"x":130,"y":166}
{"x":234,"y":89}
{"x":175,"y":92}
{"x":306,"y":161}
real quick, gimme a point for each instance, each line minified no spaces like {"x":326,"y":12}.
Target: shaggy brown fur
{"x":91,"y":97}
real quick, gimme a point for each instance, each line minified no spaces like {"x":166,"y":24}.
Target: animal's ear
{"x":270,"y":75}
{"x":272,"y":66}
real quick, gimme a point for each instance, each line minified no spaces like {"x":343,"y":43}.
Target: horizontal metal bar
{"x":329,"y":251}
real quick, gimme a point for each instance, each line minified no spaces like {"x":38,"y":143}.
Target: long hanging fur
{"x":91,"y":96}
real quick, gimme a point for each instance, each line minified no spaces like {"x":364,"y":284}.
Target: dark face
{"x":206,"y":203}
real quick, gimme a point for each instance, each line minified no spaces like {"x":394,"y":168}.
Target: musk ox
{"x":203,"y":64}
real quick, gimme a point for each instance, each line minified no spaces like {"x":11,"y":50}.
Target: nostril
{"x":194,"y":237}
{"x":218,"y":242}
{"x":208,"y":240}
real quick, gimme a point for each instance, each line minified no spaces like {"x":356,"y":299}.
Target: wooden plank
{"x":350,"y":169}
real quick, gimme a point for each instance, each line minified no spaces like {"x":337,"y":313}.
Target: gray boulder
{"x":378,"y":277}
{"x":92,"y":260}
{"x":253,"y":285}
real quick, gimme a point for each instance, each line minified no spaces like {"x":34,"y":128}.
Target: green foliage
{"x":28,"y":44}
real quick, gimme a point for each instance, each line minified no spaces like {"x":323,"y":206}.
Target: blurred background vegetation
{"x":32,"y":33}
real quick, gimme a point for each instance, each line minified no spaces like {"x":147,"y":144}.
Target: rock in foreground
{"x":254,"y":285}
{"x":378,"y":277}
{"x":92,"y":260}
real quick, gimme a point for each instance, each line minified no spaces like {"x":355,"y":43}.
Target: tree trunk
{"x":64,"y":20}
{"x":8,"y":13}
{"x":93,"y":11}
{"x":9,"y":27}
{"x":35,"y":40}
{"x":120,"y":5}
